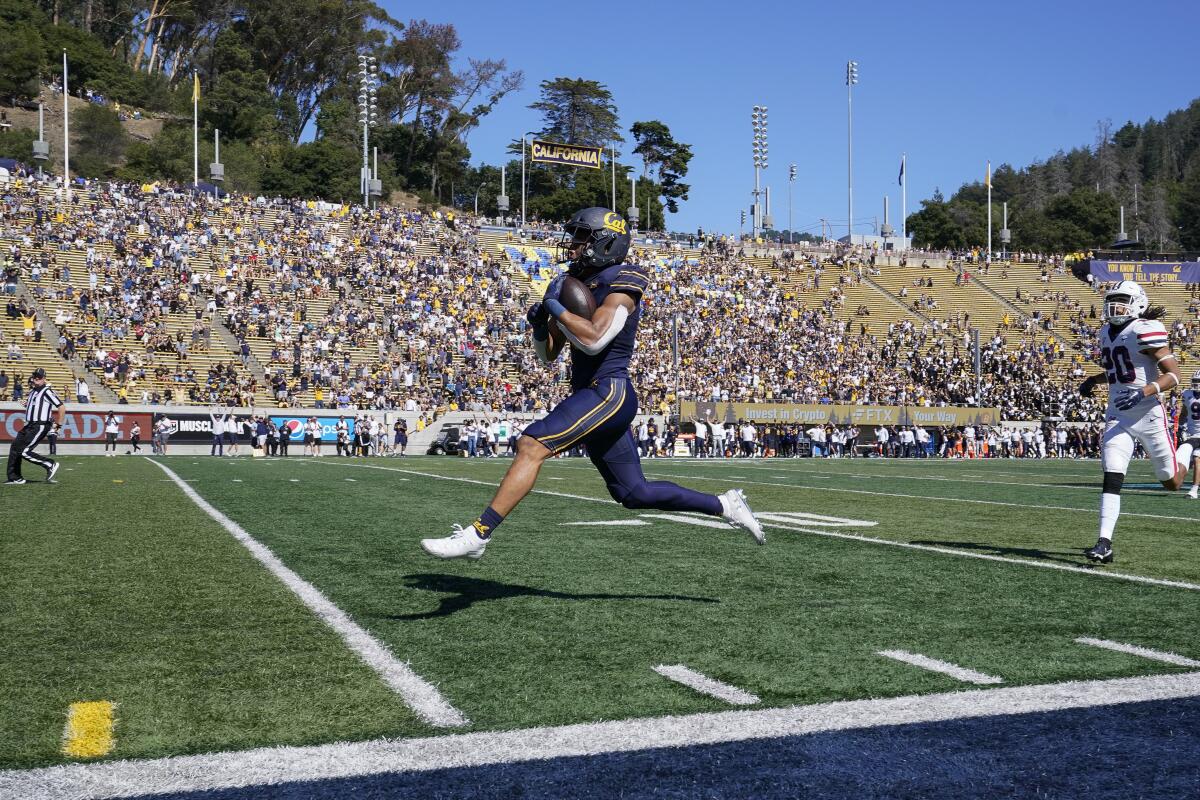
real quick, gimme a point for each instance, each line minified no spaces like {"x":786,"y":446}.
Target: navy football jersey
{"x":613,"y":360}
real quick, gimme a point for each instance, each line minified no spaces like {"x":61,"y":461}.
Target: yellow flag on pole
{"x":195,"y":87}
{"x":987,"y":181}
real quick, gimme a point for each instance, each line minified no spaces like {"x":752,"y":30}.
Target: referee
{"x":39,"y":408}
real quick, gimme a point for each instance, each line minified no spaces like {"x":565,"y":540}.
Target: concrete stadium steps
{"x":986,"y":312}
{"x":36,"y":354}
{"x":1006,"y":279}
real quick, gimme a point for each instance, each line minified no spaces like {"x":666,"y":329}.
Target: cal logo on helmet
{"x":615,"y":222}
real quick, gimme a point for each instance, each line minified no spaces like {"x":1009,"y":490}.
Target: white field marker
{"x":944,"y":667}
{"x":1144,"y":652}
{"x":294,"y":480}
{"x":706,"y":685}
{"x":419,"y":695}
{"x":816,"y":520}
{"x":701,"y":522}
{"x":275,"y":765}
{"x":237,"y":480}
{"x":352,"y":480}
{"x":612,"y":523}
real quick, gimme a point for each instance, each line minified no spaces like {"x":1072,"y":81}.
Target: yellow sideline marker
{"x":89,"y":731}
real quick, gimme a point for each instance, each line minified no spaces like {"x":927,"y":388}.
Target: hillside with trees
{"x":1071,"y":200}
{"x":285,"y":99}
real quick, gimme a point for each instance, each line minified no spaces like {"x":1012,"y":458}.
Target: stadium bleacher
{"x":338,"y":305}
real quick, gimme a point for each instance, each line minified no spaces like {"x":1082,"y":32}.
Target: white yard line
{"x":942,"y":667}
{"x":278,"y":765}
{"x":706,"y":685}
{"x":1088,"y":571}
{"x":611,"y":523}
{"x":420,"y":695}
{"x":1144,"y":652}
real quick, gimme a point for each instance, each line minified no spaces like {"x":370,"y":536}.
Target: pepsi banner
{"x":296,"y":427}
{"x":573,"y":155}
{"x":1146,"y":271}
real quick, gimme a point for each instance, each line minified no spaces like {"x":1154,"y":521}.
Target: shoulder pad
{"x":628,"y":278}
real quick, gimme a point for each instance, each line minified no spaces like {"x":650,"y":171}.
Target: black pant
{"x":22,"y":448}
{"x":283,"y":445}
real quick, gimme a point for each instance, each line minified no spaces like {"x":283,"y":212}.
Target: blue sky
{"x":950,"y":84}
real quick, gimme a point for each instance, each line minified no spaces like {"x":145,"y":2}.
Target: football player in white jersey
{"x":1189,"y":420}
{"x":1138,"y":367}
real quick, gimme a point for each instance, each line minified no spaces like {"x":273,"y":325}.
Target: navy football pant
{"x":599,"y":417}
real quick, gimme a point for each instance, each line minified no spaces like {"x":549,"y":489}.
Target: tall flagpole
{"x":195,"y":129}
{"x":903,"y":202}
{"x":66,"y":133}
{"x":989,"y":188}
{"x":614,"y":176}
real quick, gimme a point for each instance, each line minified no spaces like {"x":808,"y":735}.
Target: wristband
{"x":555,"y":308}
{"x":1157,"y":388}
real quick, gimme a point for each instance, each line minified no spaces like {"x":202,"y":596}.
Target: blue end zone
{"x":1142,"y":750}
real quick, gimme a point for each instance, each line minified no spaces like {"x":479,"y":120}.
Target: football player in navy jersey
{"x":603,"y":403}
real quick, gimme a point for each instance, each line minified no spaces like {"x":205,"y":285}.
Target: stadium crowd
{"x":339,"y":307}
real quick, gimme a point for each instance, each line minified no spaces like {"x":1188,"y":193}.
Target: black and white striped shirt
{"x":41,"y":404}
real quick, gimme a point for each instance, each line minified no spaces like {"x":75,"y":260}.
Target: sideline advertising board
{"x":78,"y":426}
{"x":814,"y":414}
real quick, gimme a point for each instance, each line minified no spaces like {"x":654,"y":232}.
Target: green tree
{"x":317,"y":169}
{"x":18,"y":144}
{"x":21,"y":61}
{"x":664,"y":156}
{"x":578,"y":111}
{"x":101,"y":141}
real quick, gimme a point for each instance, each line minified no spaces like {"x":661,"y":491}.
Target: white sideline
{"x":274,"y":765}
{"x":928,"y":548}
{"x":706,"y":685}
{"x":944,"y":667}
{"x":1144,"y":652}
{"x":419,"y":695}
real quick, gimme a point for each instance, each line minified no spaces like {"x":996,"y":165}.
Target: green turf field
{"x":116,"y":586}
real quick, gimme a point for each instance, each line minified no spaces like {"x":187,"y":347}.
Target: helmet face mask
{"x":1124,"y":302}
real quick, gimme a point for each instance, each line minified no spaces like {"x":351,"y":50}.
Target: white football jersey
{"x":1191,"y":402}
{"x":1125,"y":357}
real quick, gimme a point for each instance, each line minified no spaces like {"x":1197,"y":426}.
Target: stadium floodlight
{"x":791,"y":180}
{"x":368,"y":116}
{"x":758,"y":150}
{"x":851,"y":81}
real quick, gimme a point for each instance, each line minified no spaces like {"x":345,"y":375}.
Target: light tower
{"x":851,"y":80}
{"x":758,"y":123}
{"x":368,"y":116}
{"x":791,"y":180}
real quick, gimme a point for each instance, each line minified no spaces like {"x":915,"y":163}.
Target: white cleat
{"x":52,"y":472}
{"x":735,"y":509}
{"x":1194,"y":493}
{"x":463,"y":542}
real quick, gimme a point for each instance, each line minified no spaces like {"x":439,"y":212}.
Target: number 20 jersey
{"x":1127,"y":360}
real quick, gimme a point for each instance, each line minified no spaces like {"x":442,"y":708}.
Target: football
{"x":577,"y":298}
